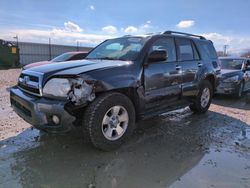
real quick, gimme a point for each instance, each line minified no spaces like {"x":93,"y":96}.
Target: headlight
{"x":58,"y":87}
{"x":232,"y":79}
{"x":76,"y":90}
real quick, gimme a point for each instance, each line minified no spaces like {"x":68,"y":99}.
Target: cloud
{"x":92,"y":7}
{"x":236,"y":44}
{"x":58,"y":36}
{"x":110,"y":29}
{"x":71,"y":32}
{"x":185,"y":24}
{"x":131,"y":29}
{"x":72,"y":27}
{"x":219,"y":38}
{"x":145,"y":26}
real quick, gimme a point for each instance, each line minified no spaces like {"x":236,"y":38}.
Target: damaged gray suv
{"x":121,"y":81}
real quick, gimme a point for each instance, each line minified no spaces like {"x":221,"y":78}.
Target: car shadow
{"x":232,"y":102}
{"x":161,"y":150}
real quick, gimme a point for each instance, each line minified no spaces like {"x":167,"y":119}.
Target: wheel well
{"x":131,"y":94}
{"x":211,"y":79}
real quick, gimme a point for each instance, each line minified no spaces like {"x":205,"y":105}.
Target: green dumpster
{"x":9,"y":55}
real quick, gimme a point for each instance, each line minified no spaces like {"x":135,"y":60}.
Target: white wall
{"x":34,"y":52}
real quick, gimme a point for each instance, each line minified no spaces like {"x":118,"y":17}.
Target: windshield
{"x":126,"y":49}
{"x":231,"y":64}
{"x":63,"y":57}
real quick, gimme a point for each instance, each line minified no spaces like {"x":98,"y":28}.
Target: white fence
{"x":34,"y":52}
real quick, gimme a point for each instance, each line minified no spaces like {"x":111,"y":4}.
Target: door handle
{"x":200,"y":64}
{"x":178,"y":67}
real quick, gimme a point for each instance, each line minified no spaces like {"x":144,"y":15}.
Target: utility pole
{"x":50,"y":49}
{"x":16,"y":37}
{"x":17,"y":51}
{"x":225,"y":50}
{"x":77,"y":45}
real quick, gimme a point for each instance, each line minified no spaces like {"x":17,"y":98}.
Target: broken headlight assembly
{"x":76,"y":90}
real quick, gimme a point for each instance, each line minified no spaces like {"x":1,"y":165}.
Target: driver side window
{"x":165,"y":44}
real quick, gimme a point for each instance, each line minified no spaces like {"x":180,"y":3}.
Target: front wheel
{"x":109,"y":120}
{"x":203,"y":99}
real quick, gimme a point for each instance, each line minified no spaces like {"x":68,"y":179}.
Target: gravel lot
{"x":177,"y":149}
{"x":10,"y":123}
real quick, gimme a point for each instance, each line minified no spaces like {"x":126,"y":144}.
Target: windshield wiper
{"x":107,"y":58}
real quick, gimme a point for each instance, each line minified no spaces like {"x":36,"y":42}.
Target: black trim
{"x":181,"y":33}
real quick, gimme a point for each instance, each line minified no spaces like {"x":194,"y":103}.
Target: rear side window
{"x":196,"y":55}
{"x":186,"y":50}
{"x":207,"y":50}
{"x":165,"y":44}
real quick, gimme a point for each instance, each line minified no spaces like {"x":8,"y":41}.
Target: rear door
{"x":162,"y":80}
{"x":189,"y":61}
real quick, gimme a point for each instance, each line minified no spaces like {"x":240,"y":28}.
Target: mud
{"x":177,"y":149}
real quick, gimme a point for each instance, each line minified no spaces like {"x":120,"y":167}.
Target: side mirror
{"x":248,"y":63}
{"x":157,"y":55}
{"x":247,"y":68}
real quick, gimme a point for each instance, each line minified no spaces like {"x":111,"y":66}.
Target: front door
{"x":162,"y":80}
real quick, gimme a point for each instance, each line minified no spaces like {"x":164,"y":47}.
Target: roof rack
{"x":180,"y":33}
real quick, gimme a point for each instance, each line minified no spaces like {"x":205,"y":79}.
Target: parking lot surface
{"x":177,"y":149}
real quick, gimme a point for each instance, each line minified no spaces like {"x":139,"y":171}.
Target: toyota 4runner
{"x":121,"y":81}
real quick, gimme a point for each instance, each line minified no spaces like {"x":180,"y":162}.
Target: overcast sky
{"x":92,"y":21}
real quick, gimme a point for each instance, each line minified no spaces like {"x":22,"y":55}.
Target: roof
{"x":232,"y":57}
{"x":170,"y":33}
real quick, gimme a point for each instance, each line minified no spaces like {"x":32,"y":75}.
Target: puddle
{"x":245,"y":133}
{"x":217,"y":169}
{"x":244,"y":139}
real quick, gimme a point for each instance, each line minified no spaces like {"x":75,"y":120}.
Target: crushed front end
{"x":50,"y":106}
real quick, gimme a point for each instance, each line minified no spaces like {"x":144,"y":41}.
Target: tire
{"x":200,"y":105}
{"x":239,"y":91}
{"x":109,"y":121}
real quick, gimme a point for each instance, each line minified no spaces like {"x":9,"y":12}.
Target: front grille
{"x":29,"y":89}
{"x":30,"y":82}
{"x":22,"y":108}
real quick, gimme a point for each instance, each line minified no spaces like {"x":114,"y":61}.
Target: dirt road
{"x":178,"y":149}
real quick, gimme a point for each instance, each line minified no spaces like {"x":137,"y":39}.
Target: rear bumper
{"x":39,"y":111}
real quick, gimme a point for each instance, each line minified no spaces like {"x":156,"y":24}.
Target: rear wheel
{"x":109,"y":121}
{"x":203,"y":99}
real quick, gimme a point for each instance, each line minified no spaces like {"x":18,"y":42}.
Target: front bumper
{"x":39,"y":111}
{"x":227,"y":88}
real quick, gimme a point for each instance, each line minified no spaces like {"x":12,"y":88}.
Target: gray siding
{"x":34,"y":52}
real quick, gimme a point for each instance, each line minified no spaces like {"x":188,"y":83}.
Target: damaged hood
{"x":77,"y":67}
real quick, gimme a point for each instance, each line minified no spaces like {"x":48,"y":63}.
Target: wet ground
{"x":177,"y":149}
